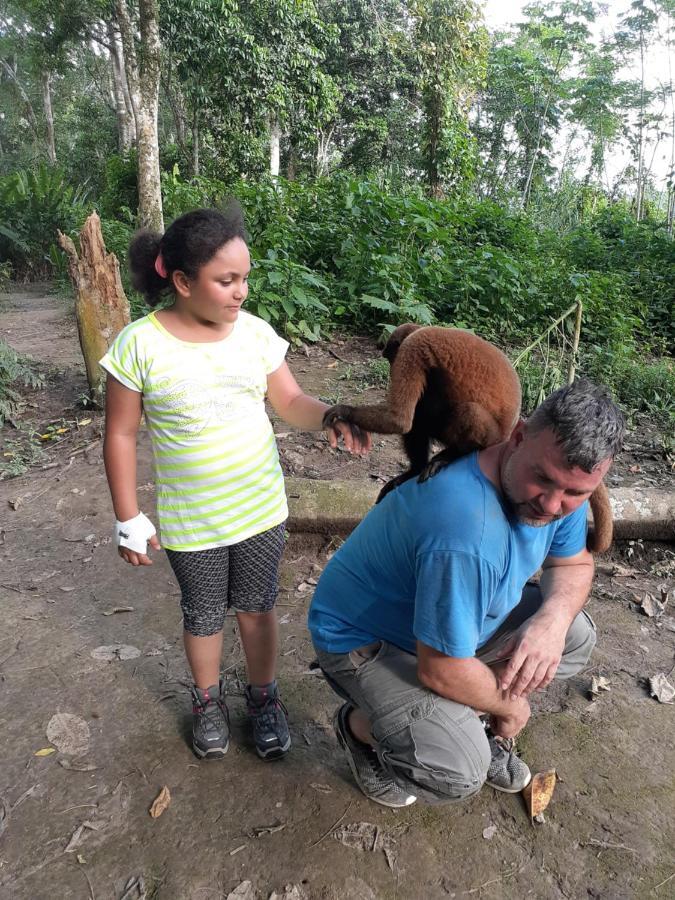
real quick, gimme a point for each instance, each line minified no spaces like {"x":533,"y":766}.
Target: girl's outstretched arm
{"x":297,"y":408}
{"x":123,"y":410}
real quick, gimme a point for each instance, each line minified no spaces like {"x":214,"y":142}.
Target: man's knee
{"x":579,"y":643}
{"x":437,"y":750}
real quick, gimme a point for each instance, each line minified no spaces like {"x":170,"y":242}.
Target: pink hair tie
{"x":160,"y":268}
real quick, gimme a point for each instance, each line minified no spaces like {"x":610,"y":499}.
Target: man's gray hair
{"x":587,"y":423}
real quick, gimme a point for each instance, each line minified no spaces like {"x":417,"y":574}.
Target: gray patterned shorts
{"x":242,"y":576}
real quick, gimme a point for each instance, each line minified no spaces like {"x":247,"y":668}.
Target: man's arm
{"x":537,"y":647}
{"x":470,"y":682}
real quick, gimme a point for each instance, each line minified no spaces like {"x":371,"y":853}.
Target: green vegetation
{"x":395,"y":161}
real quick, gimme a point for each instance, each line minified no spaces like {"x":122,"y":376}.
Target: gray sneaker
{"x":507,"y":772}
{"x":366,"y":767}
{"x":210,"y":722}
{"x":270,"y":725}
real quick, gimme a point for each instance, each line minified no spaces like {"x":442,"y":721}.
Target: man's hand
{"x":535,"y":651}
{"x":508,"y":726}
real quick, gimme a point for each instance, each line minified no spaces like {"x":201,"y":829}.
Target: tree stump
{"x":101,"y":306}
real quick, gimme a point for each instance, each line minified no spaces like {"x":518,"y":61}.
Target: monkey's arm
{"x":380,"y":419}
{"x":407,"y":381}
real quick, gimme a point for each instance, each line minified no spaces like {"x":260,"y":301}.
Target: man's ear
{"x":181,"y":284}
{"x":518,"y":434}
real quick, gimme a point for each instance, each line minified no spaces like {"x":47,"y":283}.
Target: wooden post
{"x":101,"y":306}
{"x":575,"y":344}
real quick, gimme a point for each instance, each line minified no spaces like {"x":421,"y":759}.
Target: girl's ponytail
{"x":143,"y":253}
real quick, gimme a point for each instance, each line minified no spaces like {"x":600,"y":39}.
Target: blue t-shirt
{"x":443,"y":562}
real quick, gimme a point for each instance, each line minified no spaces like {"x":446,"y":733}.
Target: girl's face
{"x":221,"y":286}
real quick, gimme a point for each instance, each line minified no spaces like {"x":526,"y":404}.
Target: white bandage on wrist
{"x":134,"y":533}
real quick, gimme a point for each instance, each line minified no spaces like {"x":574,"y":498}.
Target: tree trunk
{"x":433,"y":109}
{"x":126,"y":125}
{"x":143,"y":82}
{"x":49,"y":116}
{"x":195,"y":144}
{"x":101,"y":306}
{"x":540,"y":134}
{"x":640,"y":171}
{"x":275,"y":144}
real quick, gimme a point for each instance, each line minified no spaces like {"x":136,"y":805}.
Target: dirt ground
{"x":76,"y":824}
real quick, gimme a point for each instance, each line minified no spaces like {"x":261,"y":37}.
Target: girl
{"x":199,"y":371}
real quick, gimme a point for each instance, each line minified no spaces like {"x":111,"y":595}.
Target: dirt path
{"x":609,"y":832}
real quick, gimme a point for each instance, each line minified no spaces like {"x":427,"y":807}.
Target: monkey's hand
{"x":339,"y":413}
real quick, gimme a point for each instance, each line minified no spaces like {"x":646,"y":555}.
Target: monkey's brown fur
{"x":451,"y":386}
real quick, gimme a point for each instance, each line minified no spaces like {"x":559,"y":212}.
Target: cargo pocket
{"x":428,"y":753}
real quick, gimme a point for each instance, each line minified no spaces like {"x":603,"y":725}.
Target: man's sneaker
{"x":366,"y":767}
{"x":507,"y":772}
{"x":270,"y":726}
{"x":210,"y":723}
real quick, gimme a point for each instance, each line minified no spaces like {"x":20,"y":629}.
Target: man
{"x":424,"y":621}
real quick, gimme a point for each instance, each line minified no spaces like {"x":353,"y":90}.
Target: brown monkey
{"x":451,"y":386}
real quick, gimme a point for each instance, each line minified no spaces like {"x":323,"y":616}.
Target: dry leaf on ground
{"x":538,"y":793}
{"x":77,"y":766}
{"x":661,"y":688}
{"x":652,"y":607}
{"x":68,"y":733}
{"x":162,"y":801}
{"x":115,"y":651}
{"x":243,"y":891}
{"x":118,"y":609}
{"x":290,"y":892}
{"x":46,"y":751}
{"x":598,"y":683}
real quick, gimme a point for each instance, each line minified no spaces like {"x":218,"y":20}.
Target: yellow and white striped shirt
{"x":216,"y":462}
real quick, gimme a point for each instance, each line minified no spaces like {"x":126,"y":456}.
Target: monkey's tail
{"x":600,"y":539}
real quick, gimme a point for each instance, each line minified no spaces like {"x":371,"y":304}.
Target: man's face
{"x":538,"y":483}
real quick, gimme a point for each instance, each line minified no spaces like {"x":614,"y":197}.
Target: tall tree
{"x":451,"y":47}
{"x":142,"y":60}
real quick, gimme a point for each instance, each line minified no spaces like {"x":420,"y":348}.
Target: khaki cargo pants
{"x":434,"y":748}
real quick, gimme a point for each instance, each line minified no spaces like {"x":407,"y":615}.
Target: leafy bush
{"x":36,"y":204}
{"x":15,"y":371}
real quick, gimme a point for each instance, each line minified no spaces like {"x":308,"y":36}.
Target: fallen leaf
{"x":290,"y":892}
{"x":267,"y":829}
{"x":118,"y":609}
{"x":74,"y":839}
{"x":162,"y":801}
{"x":243,"y":891}
{"x":84,"y":422}
{"x":46,"y":751}
{"x":489,"y":832}
{"x":321,"y":788}
{"x":661,"y":689}
{"x":598,"y":683}
{"x":75,"y":766}
{"x":111,"y":652}
{"x":68,"y":733}
{"x":652,"y":607}
{"x":539,"y":791}
{"x":66,"y":588}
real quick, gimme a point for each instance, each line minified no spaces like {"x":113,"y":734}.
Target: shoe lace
{"x":267,"y":713}
{"x":211,"y":711}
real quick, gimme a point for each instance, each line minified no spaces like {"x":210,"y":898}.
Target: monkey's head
{"x":396,"y":338}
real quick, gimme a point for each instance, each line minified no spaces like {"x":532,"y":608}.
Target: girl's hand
{"x":356,"y":440}
{"x":139,"y":559}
